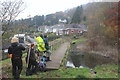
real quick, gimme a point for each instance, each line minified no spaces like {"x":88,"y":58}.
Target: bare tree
{"x":9,"y":10}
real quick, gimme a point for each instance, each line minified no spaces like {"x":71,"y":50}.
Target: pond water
{"x":80,"y":59}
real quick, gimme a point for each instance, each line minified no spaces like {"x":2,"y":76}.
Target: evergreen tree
{"x":77,"y":15}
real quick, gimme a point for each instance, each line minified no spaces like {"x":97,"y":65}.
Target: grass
{"x":102,"y":71}
{"x":61,"y":73}
{"x":80,"y":40}
{"x":56,"y":45}
{"x":6,"y":61}
{"x":107,"y":71}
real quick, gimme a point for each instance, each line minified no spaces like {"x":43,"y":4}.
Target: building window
{"x":72,"y":31}
{"x":80,"y":32}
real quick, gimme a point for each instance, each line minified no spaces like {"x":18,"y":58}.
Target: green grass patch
{"x":80,"y":40}
{"x":70,"y":73}
{"x":103,"y":71}
{"x":62,"y":73}
{"x":6,"y":61}
{"x":57,"y":43}
{"x":107,"y":71}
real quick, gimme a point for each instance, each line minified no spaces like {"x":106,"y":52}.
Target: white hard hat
{"x":14,"y":39}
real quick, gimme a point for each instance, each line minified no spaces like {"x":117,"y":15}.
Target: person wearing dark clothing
{"x":46,"y":42}
{"x":42,"y":36}
{"x":48,"y":53}
{"x":31,"y":61}
{"x":15,"y":52}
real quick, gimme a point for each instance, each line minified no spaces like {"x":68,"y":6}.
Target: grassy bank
{"x":55,"y":44}
{"x":80,"y":40}
{"x":102,"y":71}
{"x":107,"y":71}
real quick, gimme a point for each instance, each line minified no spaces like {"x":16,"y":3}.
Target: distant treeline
{"x":71,"y":16}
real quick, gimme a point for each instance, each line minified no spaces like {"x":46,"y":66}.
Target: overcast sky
{"x":44,"y":7}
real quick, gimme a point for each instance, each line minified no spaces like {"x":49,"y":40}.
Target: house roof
{"x":65,"y":27}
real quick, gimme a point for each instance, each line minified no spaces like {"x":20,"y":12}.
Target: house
{"x":61,"y":32}
{"x":62,"y":21}
{"x":21,"y":37}
{"x":72,"y":29}
{"x":58,"y":29}
{"x":61,"y":29}
{"x":41,"y":28}
{"x":48,"y":29}
{"x":45,"y":29}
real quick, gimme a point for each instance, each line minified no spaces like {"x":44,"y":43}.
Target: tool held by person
{"x":28,"y":55}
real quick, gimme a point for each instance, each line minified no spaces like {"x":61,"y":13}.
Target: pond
{"x":81,"y":59}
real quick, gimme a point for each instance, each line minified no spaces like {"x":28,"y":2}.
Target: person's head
{"x":32,"y":44}
{"x":45,"y":36}
{"x":35,"y":36}
{"x":14,"y":39}
{"x":42,"y":35}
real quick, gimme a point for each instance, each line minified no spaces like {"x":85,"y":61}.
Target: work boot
{"x":17,"y":76}
{"x":28,"y":73}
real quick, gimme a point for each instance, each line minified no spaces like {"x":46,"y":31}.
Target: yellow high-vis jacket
{"x":40,"y":44}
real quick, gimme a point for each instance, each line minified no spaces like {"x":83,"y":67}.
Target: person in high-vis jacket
{"x":40,"y":45}
{"x":15,"y":52}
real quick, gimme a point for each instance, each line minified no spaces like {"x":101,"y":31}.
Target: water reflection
{"x":80,"y":59}
{"x":70,"y":64}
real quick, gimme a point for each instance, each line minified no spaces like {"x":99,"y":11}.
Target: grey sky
{"x":44,"y":7}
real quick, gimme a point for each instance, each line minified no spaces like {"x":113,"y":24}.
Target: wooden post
{"x":28,"y":56}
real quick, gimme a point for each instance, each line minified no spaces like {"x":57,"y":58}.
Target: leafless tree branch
{"x":9,"y":10}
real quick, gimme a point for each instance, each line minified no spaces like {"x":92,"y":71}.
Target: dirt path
{"x":57,"y":57}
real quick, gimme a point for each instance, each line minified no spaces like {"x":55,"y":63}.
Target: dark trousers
{"x":16,"y":67}
{"x":32,"y":67}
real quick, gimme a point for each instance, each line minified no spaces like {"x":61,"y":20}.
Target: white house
{"x":21,"y":37}
{"x":45,"y":29}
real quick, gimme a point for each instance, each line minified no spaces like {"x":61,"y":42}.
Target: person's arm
{"x":22,"y":47}
{"x":43,"y":45}
{"x":10,"y":52}
{"x":47,"y":44}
